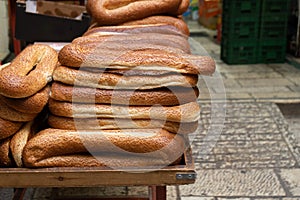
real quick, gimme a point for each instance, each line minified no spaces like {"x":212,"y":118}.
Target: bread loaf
{"x":29,"y":72}
{"x":138,"y":59}
{"x":32,"y":104}
{"x":8,"y":128}
{"x":19,"y":140}
{"x":162,"y":19}
{"x":115,"y":161}
{"x":107,"y":80}
{"x":5,"y":159}
{"x":117,"y":148}
{"x":125,"y":42}
{"x":95,"y":29}
{"x":112,"y":12}
{"x":160,"y":96}
{"x":68,"y":123}
{"x":11,"y":114}
{"x":183,"y":113}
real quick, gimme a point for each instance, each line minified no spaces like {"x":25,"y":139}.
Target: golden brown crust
{"x":18,"y":142}
{"x":111,"y":12}
{"x":31,"y":104}
{"x":143,"y":59}
{"x":29,"y":72}
{"x":107,"y":80}
{"x":105,"y":160}
{"x":68,"y":123}
{"x":8,"y":128}
{"x":5,"y":160}
{"x":161,"y":96}
{"x":149,"y":143}
{"x":183,"y":113}
{"x":95,"y":29}
{"x":125,"y":42}
{"x":11,"y":114}
{"x":163,"y":19}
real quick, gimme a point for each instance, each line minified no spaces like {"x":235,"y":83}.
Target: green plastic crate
{"x":273,"y":27}
{"x":275,"y":7}
{"x":244,"y":52}
{"x":238,"y":8}
{"x":254,"y":31}
{"x":240,"y":19}
{"x":271,"y":51}
{"x":237,"y":29}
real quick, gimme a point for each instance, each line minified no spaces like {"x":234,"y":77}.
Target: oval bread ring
{"x":5,"y":159}
{"x":103,"y":160}
{"x":32,"y":104}
{"x":184,"y":113}
{"x":11,"y":114}
{"x":159,"y":19}
{"x":161,"y":96}
{"x":112,"y":12}
{"x":134,"y":41}
{"x":68,"y":123}
{"x":105,"y":80}
{"x":95,"y":29}
{"x":29,"y":72}
{"x":8,"y":128}
{"x":18,"y":142}
{"x":76,"y":56}
{"x":152,"y":143}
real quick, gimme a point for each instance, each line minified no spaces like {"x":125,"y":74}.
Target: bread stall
{"x":113,"y":107}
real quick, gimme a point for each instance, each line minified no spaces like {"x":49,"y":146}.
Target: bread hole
{"x":32,"y":69}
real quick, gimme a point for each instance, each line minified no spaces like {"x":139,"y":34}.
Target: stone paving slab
{"x":252,"y":75}
{"x":294,"y":79}
{"x":265,"y":82}
{"x":295,"y":89}
{"x":222,"y":67}
{"x":285,"y":69}
{"x":229,"y":182}
{"x":277,"y":97}
{"x":291,"y":179}
{"x":263,"y":89}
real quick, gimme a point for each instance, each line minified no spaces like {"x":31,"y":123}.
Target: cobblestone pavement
{"x":246,"y":147}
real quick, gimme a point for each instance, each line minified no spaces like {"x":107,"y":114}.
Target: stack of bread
{"x":124,"y":95}
{"x":137,"y":12}
{"x":24,"y":92}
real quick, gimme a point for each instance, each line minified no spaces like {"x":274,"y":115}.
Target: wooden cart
{"x":156,"y":180}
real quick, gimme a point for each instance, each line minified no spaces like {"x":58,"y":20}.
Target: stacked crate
{"x":254,"y":31}
{"x":239,"y":31}
{"x":273,"y":31}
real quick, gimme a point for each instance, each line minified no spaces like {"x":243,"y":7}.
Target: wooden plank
{"x":79,"y":179}
{"x":93,"y":177}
